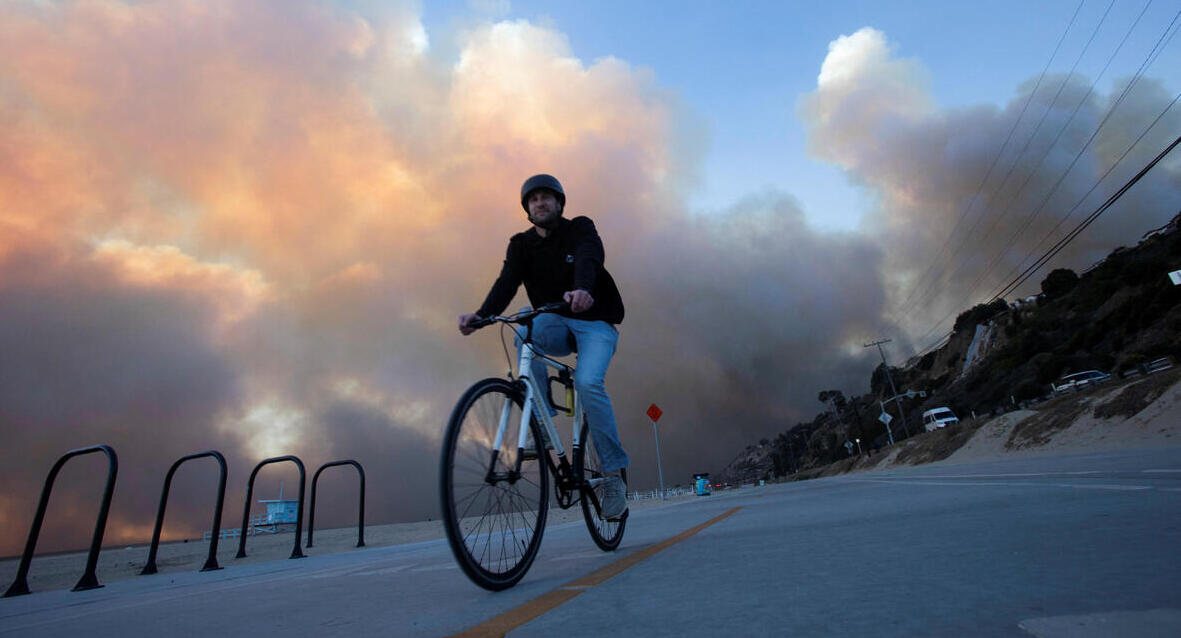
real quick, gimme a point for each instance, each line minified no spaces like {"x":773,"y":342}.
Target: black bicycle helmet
{"x":542,"y":181}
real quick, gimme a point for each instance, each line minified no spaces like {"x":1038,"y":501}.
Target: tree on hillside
{"x":834,"y":399}
{"x":1059,"y":282}
{"x":835,"y":396}
{"x":980,"y":313}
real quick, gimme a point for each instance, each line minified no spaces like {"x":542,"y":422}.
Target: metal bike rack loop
{"x":295,"y":552}
{"x":89,"y":580}
{"x":211,"y":561}
{"x":360,"y":515}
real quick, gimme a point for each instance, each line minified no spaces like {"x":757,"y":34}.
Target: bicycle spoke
{"x":493,"y":522}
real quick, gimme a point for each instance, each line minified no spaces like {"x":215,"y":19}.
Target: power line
{"x":1054,"y":250}
{"x":935,"y":345}
{"x":1157,"y":48}
{"x":1009,"y":243}
{"x":1152,"y":55}
{"x":963,"y":214}
{"x":1028,"y":141}
{"x":1062,"y":243}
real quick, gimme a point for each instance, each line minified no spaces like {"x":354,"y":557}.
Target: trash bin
{"x":703,"y":487}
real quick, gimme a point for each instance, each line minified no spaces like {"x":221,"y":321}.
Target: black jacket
{"x":569,"y":258}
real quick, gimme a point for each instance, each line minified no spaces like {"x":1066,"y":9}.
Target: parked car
{"x":1079,"y":380}
{"x":1156,"y":365}
{"x":938,"y":418}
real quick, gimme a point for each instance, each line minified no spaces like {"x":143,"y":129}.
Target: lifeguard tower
{"x":281,"y":516}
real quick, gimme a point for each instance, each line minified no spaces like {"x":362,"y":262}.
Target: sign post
{"x":654,"y":413}
{"x":885,"y":418}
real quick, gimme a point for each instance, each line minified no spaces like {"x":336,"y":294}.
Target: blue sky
{"x":741,"y":67}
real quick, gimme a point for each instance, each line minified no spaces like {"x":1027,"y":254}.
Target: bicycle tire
{"x":605,"y":534}
{"x":494,"y":528}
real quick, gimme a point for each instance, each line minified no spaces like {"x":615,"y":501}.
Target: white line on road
{"x":955,"y":483}
{"x":578,"y":556}
{"x":436,"y":568}
{"x":1125,"y":488}
{"x":1015,"y":474}
{"x":372,"y":572}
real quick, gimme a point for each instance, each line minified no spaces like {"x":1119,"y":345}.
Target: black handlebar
{"x":520,"y":317}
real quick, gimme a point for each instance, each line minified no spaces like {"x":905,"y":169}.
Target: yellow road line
{"x":517,"y":616}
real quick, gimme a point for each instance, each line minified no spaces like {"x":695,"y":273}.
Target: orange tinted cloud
{"x":237,"y":211}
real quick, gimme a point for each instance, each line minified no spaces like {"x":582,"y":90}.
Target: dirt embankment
{"x":1137,"y":413}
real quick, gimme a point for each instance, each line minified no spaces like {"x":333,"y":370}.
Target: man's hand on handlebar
{"x":465,"y":323}
{"x":472,"y":322}
{"x":579,"y":300}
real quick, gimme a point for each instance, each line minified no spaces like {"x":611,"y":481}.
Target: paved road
{"x":1067,"y":546}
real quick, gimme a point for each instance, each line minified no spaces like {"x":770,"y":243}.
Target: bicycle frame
{"x":535,"y":404}
{"x":536,"y":399}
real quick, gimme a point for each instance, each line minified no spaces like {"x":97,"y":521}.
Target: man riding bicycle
{"x":561,"y":260}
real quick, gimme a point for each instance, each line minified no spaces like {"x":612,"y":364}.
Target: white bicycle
{"x":499,"y":451}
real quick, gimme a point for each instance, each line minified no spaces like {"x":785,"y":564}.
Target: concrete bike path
{"x":412,"y":589}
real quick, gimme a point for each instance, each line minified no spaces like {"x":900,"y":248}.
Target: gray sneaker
{"x":614,"y":498}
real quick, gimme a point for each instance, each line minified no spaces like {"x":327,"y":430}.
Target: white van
{"x":937,"y":418}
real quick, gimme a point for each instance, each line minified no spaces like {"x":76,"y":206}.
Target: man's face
{"x":544,"y":208}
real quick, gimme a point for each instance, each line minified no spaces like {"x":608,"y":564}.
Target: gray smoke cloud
{"x":872,"y":114}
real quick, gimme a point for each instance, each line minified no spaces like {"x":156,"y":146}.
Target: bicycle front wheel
{"x":494,"y":505}
{"x":605,"y":534}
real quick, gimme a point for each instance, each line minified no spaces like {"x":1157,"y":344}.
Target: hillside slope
{"x":1000,"y":357}
{"x":1137,"y":413}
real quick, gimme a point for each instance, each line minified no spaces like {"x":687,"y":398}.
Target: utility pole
{"x":889,"y":378}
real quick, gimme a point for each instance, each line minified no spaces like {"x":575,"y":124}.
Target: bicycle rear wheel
{"x":605,"y":534}
{"x":494,"y":515}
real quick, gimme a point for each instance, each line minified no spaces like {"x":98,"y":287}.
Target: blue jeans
{"x":596,"y":340}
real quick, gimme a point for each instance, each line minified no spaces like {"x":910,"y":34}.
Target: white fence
{"x":259,"y":524}
{"x":672,"y":491}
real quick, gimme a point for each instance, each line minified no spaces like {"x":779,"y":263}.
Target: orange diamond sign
{"x":654,"y":413}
